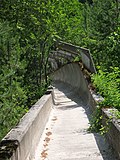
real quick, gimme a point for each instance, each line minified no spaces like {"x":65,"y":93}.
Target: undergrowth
{"x":108,"y":85}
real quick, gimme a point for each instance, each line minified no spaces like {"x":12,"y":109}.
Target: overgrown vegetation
{"x":108,"y":85}
{"x":28,"y":31}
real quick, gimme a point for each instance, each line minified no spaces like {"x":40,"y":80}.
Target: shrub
{"x":108,"y":85}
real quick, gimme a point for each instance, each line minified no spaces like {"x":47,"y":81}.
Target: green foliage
{"x":108,"y":85}
{"x":12,"y":95}
{"x":102,"y":31}
{"x":96,"y":122}
{"x":116,"y":114}
{"x":77,"y":59}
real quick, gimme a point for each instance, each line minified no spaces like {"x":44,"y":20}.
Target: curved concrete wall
{"x":72,"y":75}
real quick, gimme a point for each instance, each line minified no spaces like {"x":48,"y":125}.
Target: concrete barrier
{"x":84,"y":53}
{"x":20,"y":143}
{"x":113,"y":127}
{"x":72,"y":75}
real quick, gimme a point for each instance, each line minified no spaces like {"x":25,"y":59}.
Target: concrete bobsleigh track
{"x":56,"y":127}
{"x":71,"y":74}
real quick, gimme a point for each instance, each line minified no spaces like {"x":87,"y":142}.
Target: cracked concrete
{"x":65,"y":136}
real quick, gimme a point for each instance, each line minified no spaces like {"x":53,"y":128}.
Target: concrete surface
{"x":22,"y":140}
{"x":113,"y":134}
{"x":65,"y":136}
{"x":72,"y":75}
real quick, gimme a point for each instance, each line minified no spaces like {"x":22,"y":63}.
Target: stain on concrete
{"x":44,"y":154}
{"x":49,"y":133}
{"x":47,"y":139}
{"x":54,"y":119}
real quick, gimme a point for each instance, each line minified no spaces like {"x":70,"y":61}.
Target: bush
{"x":108,"y":85}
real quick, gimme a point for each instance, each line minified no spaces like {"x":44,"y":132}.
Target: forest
{"x":28,"y":32}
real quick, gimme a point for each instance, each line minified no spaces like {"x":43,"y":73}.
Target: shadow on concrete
{"x":71,"y":93}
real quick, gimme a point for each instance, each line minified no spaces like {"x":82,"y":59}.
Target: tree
{"x":102,"y":23}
